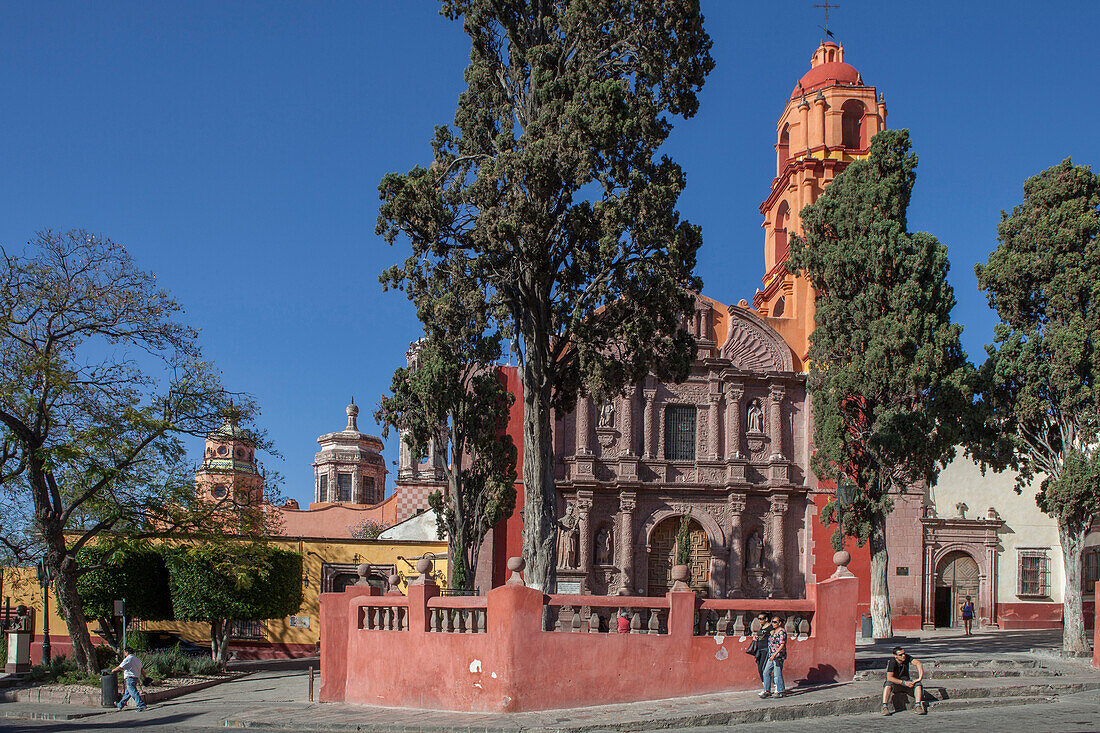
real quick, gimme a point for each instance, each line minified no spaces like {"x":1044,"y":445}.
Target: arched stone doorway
{"x":662,"y":556}
{"x":957,"y":576}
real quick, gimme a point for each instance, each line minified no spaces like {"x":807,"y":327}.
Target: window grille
{"x":368,"y":490}
{"x":244,"y":629}
{"x":322,"y":494}
{"x":680,"y":432}
{"x":343,"y":487}
{"x":1090,"y":569}
{"x":1032,"y":574}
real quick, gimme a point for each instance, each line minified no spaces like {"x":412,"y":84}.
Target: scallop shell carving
{"x":754,"y":347}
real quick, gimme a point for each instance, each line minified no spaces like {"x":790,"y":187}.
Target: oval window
{"x":219,"y":491}
{"x":222,"y":450}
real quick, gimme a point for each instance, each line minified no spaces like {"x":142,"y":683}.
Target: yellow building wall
{"x":20,"y":585}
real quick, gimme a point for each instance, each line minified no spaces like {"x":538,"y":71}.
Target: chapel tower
{"x":827,"y":123}
{"x":349,"y":468}
{"x":229,"y":469}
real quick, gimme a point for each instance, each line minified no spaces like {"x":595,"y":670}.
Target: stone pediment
{"x":754,"y":346}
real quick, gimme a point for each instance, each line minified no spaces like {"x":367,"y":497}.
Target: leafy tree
{"x":133,"y":571}
{"x":239,"y":582}
{"x":452,"y":395}
{"x":888,"y":374}
{"x":550,"y":186}
{"x":1040,"y":399}
{"x":99,"y":383}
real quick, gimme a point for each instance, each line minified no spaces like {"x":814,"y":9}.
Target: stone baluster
{"x":712,"y":425}
{"x":648,"y":430}
{"x":738,"y":624}
{"x":736,"y":503}
{"x":584,"y":426}
{"x":654,"y":622}
{"x":734,"y":393}
{"x":778,"y":516}
{"x":627,"y":502}
{"x":636,"y":623}
{"x":593,"y":622}
{"x":575,"y":622}
{"x":775,"y":421}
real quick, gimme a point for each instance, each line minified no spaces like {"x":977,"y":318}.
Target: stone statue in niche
{"x":961,"y":508}
{"x":754,"y":550}
{"x":604,"y":554}
{"x":755,"y":417}
{"x":568,"y":538}
{"x":606,"y":418}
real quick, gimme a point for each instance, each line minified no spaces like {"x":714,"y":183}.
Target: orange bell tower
{"x":828,"y":122}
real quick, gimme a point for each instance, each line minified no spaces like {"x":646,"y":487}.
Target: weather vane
{"x":827,"y":5}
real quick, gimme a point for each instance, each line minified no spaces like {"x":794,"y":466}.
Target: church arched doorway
{"x":662,"y":556}
{"x":956,"y":578}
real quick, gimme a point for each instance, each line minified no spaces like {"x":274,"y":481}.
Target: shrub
{"x":61,"y":670}
{"x":105,"y":657}
{"x":138,"y":640}
{"x":204,"y":666}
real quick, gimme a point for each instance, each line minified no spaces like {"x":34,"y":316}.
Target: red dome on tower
{"x":827,"y":68}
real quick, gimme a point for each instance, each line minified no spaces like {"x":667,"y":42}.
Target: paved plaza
{"x":993,"y":681}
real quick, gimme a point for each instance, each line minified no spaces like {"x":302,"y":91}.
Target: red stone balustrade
{"x":1096,"y":629}
{"x":491,"y":653}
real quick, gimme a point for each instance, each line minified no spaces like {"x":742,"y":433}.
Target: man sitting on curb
{"x":897,"y":680}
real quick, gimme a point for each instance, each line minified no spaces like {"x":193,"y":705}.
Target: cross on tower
{"x":826,"y":6}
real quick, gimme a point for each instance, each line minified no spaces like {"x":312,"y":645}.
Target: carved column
{"x":737,"y":504}
{"x":775,"y":421}
{"x":627,"y":502}
{"x":712,"y":425}
{"x":583,"y":425}
{"x":929,"y":577}
{"x":647,"y":421}
{"x":778,"y":515}
{"x":628,"y":421}
{"x":584,"y":540}
{"x":991,"y":554}
{"x":734,"y":393}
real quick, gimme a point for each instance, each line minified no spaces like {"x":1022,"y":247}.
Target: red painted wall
{"x":1096,"y":629}
{"x":508,"y":534}
{"x":860,"y":566}
{"x":515,"y":666}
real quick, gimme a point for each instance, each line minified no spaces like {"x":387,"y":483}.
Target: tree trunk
{"x":68,"y":598}
{"x":881,"y":625}
{"x":219,"y":642}
{"x":1072,"y":537}
{"x":540,"y":499}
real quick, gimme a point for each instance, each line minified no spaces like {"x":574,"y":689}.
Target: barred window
{"x":343,"y":487}
{"x":367,"y":490}
{"x":680,"y":432}
{"x":1032,"y":573}
{"x":322,"y":493}
{"x":1090,"y":569}
{"x":244,"y":629}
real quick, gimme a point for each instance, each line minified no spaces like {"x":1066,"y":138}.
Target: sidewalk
{"x":723,"y":709}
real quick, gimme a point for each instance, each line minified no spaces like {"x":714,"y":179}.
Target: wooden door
{"x":662,"y":557}
{"x":958,"y":576}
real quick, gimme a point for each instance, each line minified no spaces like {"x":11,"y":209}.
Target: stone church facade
{"x":727,"y":449}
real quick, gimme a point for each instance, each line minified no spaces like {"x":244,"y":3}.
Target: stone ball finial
{"x":841,"y":558}
{"x":424,"y":566}
{"x":353,"y":409}
{"x":680,"y":573}
{"x":395,"y":583}
{"x":363,"y":570}
{"x":20,"y":610}
{"x":516,"y":565}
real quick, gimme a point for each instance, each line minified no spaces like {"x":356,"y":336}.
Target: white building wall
{"x":1026,"y":526}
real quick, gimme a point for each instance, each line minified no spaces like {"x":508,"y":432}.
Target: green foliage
{"x":62,"y":670}
{"x":173,"y":662}
{"x":241,"y":582}
{"x":452,"y":394}
{"x":683,"y":541}
{"x":550,"y":197}
{"x":132,"y":571}
{"x":888,"y":374}
{"x":139,"y":640}
{"x":1040,"y":380}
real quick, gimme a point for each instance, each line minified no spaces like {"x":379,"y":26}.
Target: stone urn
{"x":680,"y":575}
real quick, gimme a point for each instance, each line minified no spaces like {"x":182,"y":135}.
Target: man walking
{"x":131,"y":672}
{"x":897,"y":680}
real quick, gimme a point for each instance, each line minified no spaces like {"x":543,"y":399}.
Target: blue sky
{"x":235,"y":149}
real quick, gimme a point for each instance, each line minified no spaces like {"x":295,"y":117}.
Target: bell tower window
{"x":853,"y":135}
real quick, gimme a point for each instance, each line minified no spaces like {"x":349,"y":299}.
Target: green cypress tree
{"x":888,"y":375}
{"x":1039,"y":386}
{"x":551,"y":184}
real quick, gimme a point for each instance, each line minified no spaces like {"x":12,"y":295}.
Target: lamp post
{"x":44,"y":578}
